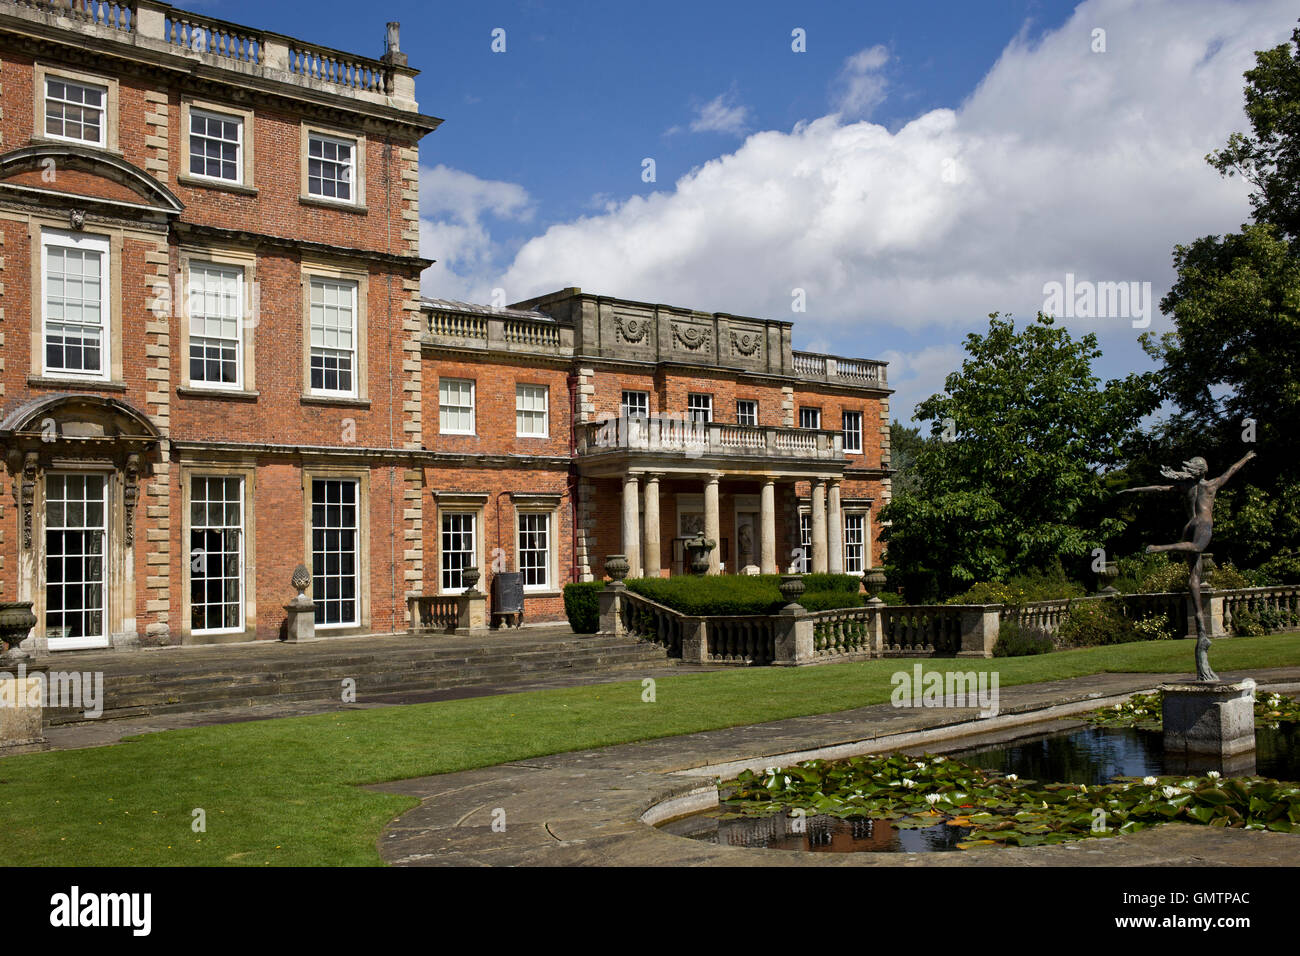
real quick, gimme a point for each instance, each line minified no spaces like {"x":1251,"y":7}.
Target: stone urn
{"x":16,"y":622}
{"x":617,"y":567}
{"x":1106,"y":578}
{"x":791,"y":587}
{"x":700,"y":548}
{"x":874,"y":582}
{"x":470,"y":576}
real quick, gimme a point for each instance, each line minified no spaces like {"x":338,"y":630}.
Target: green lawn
{"x":283,"y":792}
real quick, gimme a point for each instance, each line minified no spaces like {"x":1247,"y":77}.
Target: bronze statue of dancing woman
{"x":1199,"y":493}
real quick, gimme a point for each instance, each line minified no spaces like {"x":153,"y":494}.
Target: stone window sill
{"x":196,"y":182}
{"x":190,"y":391}
{"x":335,"y":401}
{"x":338,"y":204}
{"x":83,"y":384}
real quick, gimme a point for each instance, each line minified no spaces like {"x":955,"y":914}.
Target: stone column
{"x":767,"y":528}
{"x":712,"y":528}
{"x":834,"y":531}
{"x":652,"y":557}
{"x":632,"y":524}
{"x":818,"y":526}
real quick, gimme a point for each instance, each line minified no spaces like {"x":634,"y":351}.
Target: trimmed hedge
{"x":745,"y":593}
{"x":582,"y":606}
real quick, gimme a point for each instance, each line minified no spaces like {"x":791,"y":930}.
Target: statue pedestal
{"x":22,"y":709}
{"x":1213,"y":717}
{"x":301,"y":625}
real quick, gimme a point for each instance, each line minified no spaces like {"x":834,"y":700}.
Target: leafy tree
{"x":1270,"y":158}
{"x":905,"y":443}
{"x":1010,"y":480}
{"x":1230,"y":366}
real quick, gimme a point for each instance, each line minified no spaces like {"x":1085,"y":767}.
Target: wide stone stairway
{"x":388,"y":669}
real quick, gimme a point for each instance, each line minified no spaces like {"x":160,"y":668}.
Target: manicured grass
{"x":284,"y":792}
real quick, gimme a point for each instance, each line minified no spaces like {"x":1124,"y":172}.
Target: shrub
{"x":1277,"y":619}
{"x":731,"y":594}
{"x":1154,"y":628}
{"x":1093,"y":623}
{"x":1280,"y":569}
{"x":1049,"y":585}
{"x":849,"y":583}
{"x":1228,"y":578}
{"x":713,"y":594}
{"x":582,"y":606}
{"x":892,"y":598}
{"x":830,"y":600}
{"x":1246,"y":623}
{"x":1013,"y":641}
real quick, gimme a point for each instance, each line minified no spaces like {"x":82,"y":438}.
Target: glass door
{"x":76,"y":538}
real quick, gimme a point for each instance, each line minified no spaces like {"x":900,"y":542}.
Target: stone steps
{"x":140,"y":688}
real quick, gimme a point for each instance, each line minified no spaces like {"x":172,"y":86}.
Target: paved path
{"x":588,"y":807}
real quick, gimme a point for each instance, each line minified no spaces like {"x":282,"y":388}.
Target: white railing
{"x":832,"y":368}
{"x":673,"y":434}
{"x":807,"y":364}
{"x":532,"y":334}
{"x":354,"y":72}
{"x":107,"y":13}
{"x":200,"y":34}
{"x":454,"y":325}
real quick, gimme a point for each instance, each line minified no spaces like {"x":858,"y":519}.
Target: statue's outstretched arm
{"x":1223,"y":478}
{"x":1127,"y":491}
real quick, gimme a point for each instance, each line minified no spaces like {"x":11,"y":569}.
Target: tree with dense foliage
{"x":1230,"y":365}
{"x":905,"y":442}
{"x":1011,"y":478}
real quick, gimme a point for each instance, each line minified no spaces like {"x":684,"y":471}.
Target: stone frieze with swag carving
{"x":746,"y":343}
{"x":632,"y":330}
{"x":692,"y":337}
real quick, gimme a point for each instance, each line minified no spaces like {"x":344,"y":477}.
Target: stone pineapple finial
{"x":301,"y":579}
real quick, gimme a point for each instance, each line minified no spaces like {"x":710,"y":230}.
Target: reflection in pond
{"x":1087,"y":755}
{"x":1096,"y":755}
{"x":818,"y":834}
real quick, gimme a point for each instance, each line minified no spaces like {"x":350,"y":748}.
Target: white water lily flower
{"x":1213,"y":775}
{"x":1273,"y":725}
{"x":940,"y":759}
{"x":1170,"y":792}
{"x":920,"y":765}
{"x":1119,"y":706}
{"x":909,"y":783}
{"x":1149,"y":781}
{"x":1012,"y":778}
{"x":787,"y":781}
{"x":932,"y":798}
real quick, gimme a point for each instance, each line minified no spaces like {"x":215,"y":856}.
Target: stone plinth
{"x":301,"y":625}
{"x":22,"y":710}
{"x":1209,"y":717}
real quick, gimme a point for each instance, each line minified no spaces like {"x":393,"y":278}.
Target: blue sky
{"x":919,"y":166}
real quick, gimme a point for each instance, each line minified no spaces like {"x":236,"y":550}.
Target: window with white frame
{"x":333,"y":336}
{"x":76,"y":533}
{"x":699,"y":407}
{"x":216,"y":324}
{"x":455,"y":406}
{"x":216,"y":553}
{"x":216,"y":144}
{"x":75,"y":311}
{"x":531,"y":411}
{"x":746,"y":412}
{"x":853,"y":432}
{"x":635,"y":405}
{"x":803,"y":564}
{"x":458,"y":549}
{"x":331,"y":167}
{"x":535,"y":550}
{"x":334,"y":541}
{"x":74,"y":110}
{"x":855,"y":528}
{"x":810,"y":418}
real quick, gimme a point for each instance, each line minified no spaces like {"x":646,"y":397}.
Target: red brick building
{"x":216,"y":364}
